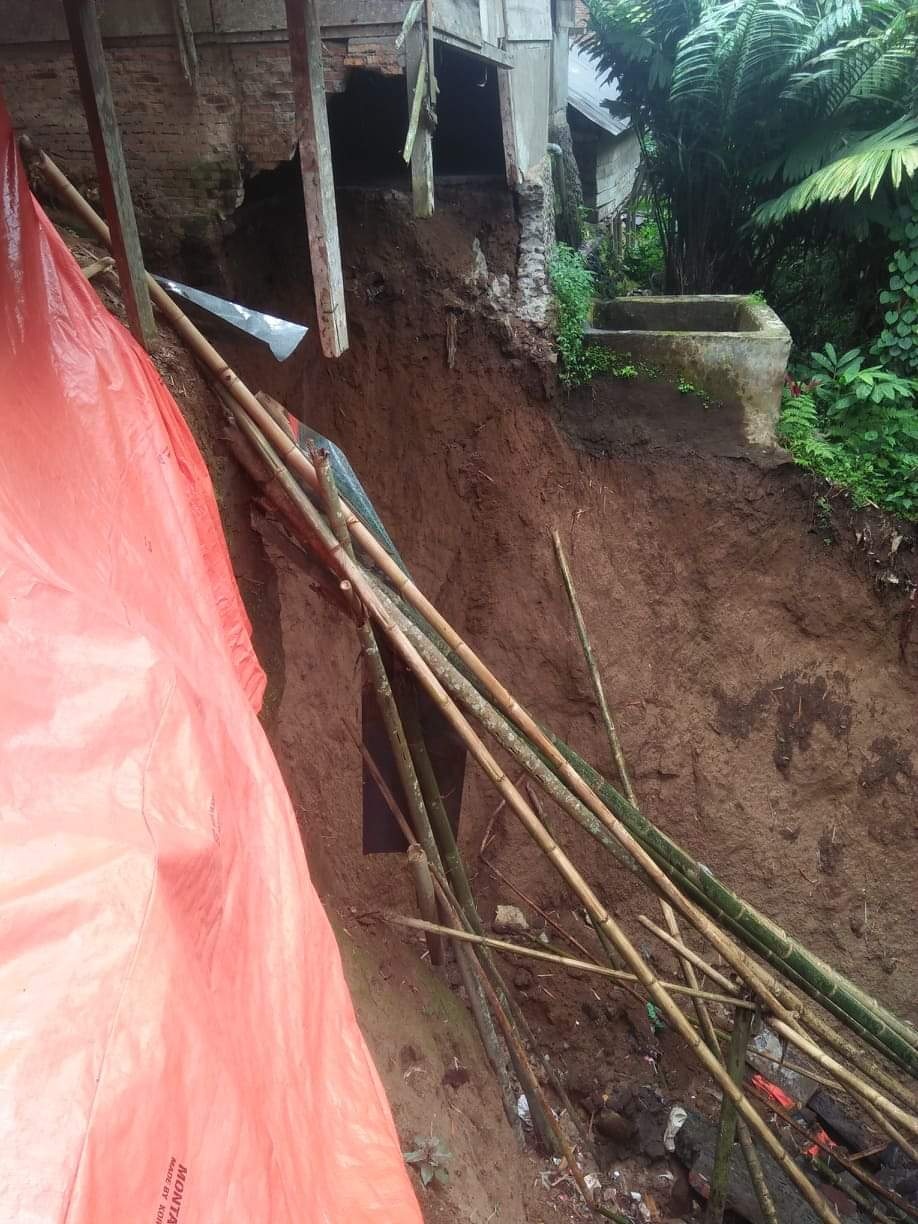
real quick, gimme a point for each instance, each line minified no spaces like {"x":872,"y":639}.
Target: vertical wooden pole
{"x":96,"y":93}
{"x":422,"y":177}
{"x":508,"y":126}
{"x":305,"y":38}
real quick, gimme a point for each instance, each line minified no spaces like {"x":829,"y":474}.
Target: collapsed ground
{"x":749,"y":641}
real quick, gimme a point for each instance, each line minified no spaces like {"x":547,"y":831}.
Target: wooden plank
{"x":508,"y":127}
{"x":95,"y":91}
{"x":529,"y":21}
{"x":305,"y":40}
{"x":421,"y":149}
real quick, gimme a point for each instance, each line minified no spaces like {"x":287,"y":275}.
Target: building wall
{"x":617,"y":161}
{"x":187,"y":149}
{"x":608,"y":166}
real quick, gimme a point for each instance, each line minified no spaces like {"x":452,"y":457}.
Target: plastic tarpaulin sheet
{"x":177,"y":1042}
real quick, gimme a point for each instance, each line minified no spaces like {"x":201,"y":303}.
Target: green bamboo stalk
{"x":870,"y":1019}
{"x":736,"y":1061}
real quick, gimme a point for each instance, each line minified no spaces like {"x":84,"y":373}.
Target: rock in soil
{"x":510,"y":920}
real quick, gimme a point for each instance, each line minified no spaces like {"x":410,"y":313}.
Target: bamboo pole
{"x":598,"y":690}
{"x":736,"y":1058}
{"x":532,"y":1087}
{"x":844,"y":1076}
{"x":846,"y":1000}
{"x":686,"y":954}
{"x":686,"y":959}
{"x":567,"y":962}
{"x":543,"y":839}
{"x":829,"y":1175}
{"x":769,"y":989}
{"x":427,"y":902}
{"x":476,"y":996}
{"x":382,"y":689}
{"x":406,"y":699}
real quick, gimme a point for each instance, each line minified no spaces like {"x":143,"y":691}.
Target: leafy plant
{"x":898,"y":342}
{"x":765,"y":108}
{"x":574,"y":286}
{"x":430,"y":1157}
{"x":643,"y":259}
{"x":857,"y":426}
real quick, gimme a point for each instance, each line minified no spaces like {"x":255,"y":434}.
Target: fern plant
{"x":857,"y":426}
{"x":761,"y":108}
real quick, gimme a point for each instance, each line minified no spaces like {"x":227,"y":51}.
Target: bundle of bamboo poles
{"x":768,"y":966}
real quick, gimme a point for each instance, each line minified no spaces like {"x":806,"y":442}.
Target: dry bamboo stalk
{"x":768,"y":988}
{"x":382,"y":688}
{"x":553,"y":852}
{"x":736,"y":1057}
{"x":686,"y":954}
{"x":846,"y":1077}
{"x":477,"y":998}
{"x":598,"y":691}
{"x":485,"y":1023}
{"x":477,"y":1001}
{"x":533,"y":1088}
{"x":270,"y":404}
{"x":568,"y":962}
{"x":504,"y":700}
{"x":427,"y":902}
{"x":706,"y":1025}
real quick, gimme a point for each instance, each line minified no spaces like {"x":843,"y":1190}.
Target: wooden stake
{"x":736,"y":1062}
{"x":305,"y":37}
{"x":598,"y":691}
{"x":96,"y":93}
{"x":419,"y":141}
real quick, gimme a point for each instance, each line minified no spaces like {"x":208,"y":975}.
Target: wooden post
{"x":422,"y":177}
{"x":508,"y":126}
{"x":305,"y":38}
{"x":95,"y":90}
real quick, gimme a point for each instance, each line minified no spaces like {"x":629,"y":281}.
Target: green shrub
{"x":898,"y":342}
{"x":574,"y":286}
{"x":643,"y":260}
{"x":857,"y":426}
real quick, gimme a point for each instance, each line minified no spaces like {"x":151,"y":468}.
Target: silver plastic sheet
{"x":279,"y":335}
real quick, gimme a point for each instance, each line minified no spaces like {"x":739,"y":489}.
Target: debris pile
{"x":849,"y":1147}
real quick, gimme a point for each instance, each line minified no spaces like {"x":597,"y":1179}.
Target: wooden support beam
{"x":305,"y":40}
{"x":95,"y":90}
{"x":420,"y":137}
{"x":508,"y":127}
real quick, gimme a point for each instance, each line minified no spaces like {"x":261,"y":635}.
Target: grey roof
{"x":586,"y":92}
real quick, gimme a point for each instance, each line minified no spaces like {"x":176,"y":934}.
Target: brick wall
{"x":188,"y":150}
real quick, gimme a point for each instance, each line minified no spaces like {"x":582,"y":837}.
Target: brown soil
{"x":754,"y":669}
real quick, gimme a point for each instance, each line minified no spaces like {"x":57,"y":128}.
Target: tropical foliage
{"x":761,"y":108}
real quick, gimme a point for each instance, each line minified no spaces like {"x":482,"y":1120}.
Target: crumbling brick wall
{"x":188,"y":149}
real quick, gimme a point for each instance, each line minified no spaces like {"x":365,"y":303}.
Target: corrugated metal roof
{"x":586,"y":92}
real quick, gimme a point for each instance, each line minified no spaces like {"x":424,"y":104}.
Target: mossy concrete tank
{"x":733,"y":348}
